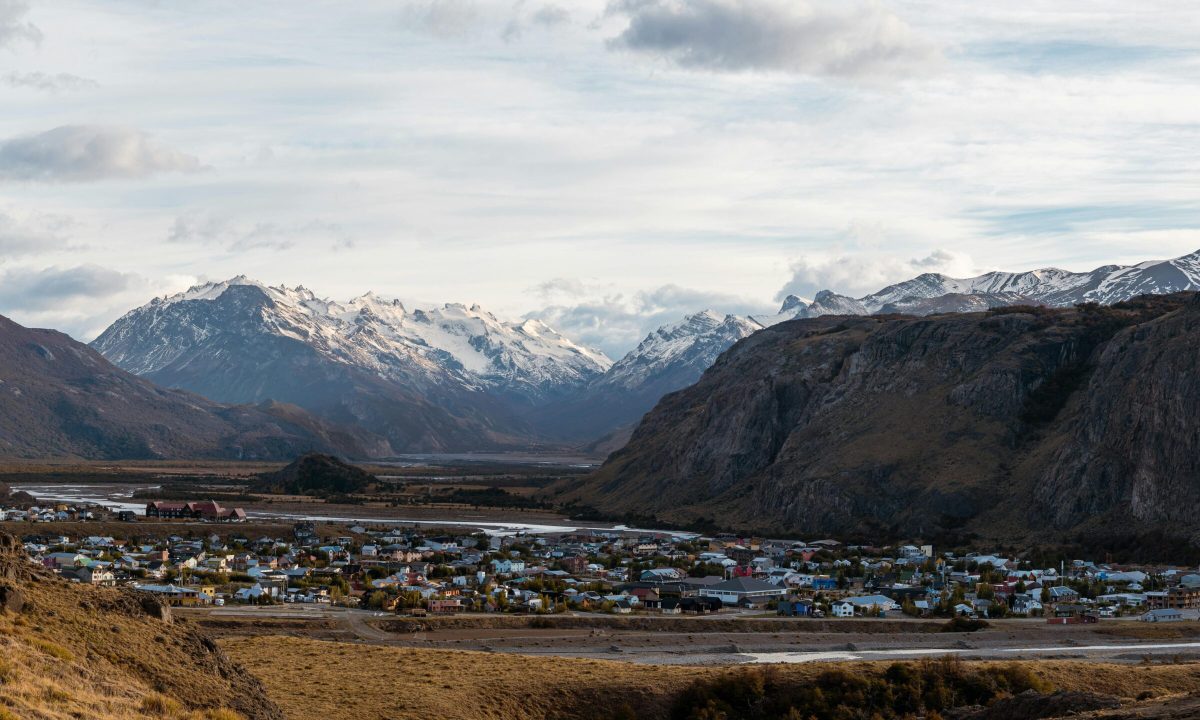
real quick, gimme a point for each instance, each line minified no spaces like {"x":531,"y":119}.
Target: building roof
{"x":744,"y":585}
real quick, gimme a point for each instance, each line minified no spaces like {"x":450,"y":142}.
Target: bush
{"x":960,"y":623}
{"x":161,"y":705}
{"x":903,"y":690}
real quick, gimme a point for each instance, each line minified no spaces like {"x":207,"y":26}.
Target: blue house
{"x":795,"y":608}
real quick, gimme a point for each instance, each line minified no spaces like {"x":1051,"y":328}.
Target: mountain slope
{"x":61,"y":398}
{"x":933,"y":293}
{"x":672,"y":357}
{"x":453,"y":378}
{"x":447,"y":379}
{"x":999,"y":423}
{"x":78,"y":651}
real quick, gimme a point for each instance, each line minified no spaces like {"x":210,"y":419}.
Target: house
{"x":1063,"y":594}
{"x":90,"y":575}
{"x":508,"y":567}
{"x":204,"y":510}
{"x":744,"y":591}
{"x":446,"y":606}
{"x":1162,"y":615}
{"x":843,"y":609}
{"x":1176,"y":598}
{"x":795,"y":608}
{"x":866,"y":602}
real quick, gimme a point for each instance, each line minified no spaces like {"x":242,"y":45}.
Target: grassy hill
{"x":69,"y":651}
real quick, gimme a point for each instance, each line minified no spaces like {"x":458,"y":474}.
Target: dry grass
{"x":310,"y":679}
{"x":1150,"y":631}
{"x":81,"y":652}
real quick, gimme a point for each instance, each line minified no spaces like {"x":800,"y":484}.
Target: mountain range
{"x":933,"y":293}
{"x":1071,"y":424}
{"x":452,"y":378}
{"x":372,"y":378}
{"x":60,"y":398}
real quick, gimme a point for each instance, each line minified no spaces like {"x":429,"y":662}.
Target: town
{"x":204,"y":559}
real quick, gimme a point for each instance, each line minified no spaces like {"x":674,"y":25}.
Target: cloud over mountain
{"x":13,"y":25}
{"x":74,"y":153}
{"x":816,"y":37}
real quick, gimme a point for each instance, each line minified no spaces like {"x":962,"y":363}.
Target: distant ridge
{"x":59,"y":398}
{"x":933,"y":293}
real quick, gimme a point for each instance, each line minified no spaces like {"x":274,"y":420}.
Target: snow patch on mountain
{"x":454,"y":344}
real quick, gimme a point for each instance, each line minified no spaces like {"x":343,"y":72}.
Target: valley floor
{"x":314,"y":680}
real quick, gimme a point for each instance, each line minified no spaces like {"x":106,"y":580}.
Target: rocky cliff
{"x":1070,"y":423}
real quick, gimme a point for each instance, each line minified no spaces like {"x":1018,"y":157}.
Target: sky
{"x":606,"y":165}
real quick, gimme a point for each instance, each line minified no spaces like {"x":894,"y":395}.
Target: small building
{"x":744,"y":591}
{"x":1162,"y":615}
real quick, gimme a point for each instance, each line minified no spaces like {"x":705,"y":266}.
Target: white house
{"x":843,"y":609}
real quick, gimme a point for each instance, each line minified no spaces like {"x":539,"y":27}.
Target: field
{"x":310,"y":680}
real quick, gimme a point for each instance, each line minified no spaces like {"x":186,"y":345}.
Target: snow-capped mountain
{"x":681,"y":350}
{"x":452,"y":377}
{"x":669,"y":359}
{"x":934,"y":293}
{"x":452,"y":344}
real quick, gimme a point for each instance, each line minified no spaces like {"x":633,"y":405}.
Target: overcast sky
{"x":605,"y":165}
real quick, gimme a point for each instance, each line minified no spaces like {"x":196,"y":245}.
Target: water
{"x":120,"y":497}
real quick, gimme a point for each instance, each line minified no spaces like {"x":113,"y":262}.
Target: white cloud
{"x":805,"y":37}
{"x":73,"y":153}
{"x":616,"y":323}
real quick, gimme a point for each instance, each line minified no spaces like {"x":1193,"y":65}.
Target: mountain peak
{"x":792,"y":302}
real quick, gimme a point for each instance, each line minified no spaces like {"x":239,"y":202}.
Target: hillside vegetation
{"x":69,"y":651}
{"x":315,"y":474}
{"x":308,"y":679}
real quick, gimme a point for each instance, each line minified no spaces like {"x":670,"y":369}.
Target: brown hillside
{"x":60,"y":398}
{"x":1075,"y":424}
{"x":72,"y":651}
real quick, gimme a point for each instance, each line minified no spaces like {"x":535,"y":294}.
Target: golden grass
{"x":68,"y":656}
{"x":316,"y":680}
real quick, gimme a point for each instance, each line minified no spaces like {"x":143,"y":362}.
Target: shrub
{"x":958,"y":623}
{"x":903,"y":690}
{"x":53,"y":649}
{"x":161,"y":705}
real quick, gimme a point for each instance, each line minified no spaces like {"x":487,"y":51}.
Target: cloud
{"x":26,"y":290}
{"x":209,"y":230}
{"x":863,"y":274}
{"x":803,"y":37}
{"x":550,"y":16}
{"x":546,"y":17}
{"x":75,"y":153}
{"x":80,"y":300}
{"x":31,"y":235}
{"x":446,"y":19}
{"x":13,"y":26}
{"x":59,"y":82}
{"x":615,"y":322}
